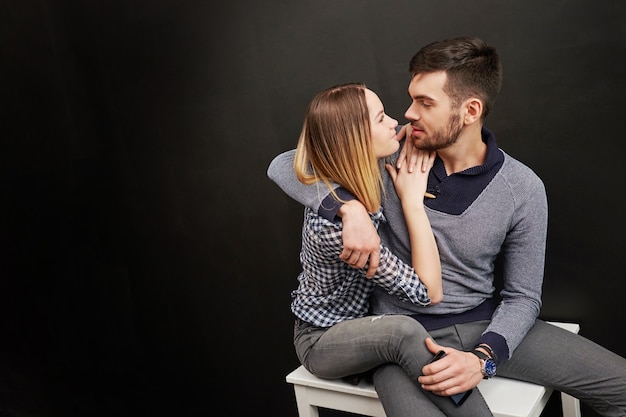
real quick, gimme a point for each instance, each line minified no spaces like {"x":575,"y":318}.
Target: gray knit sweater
{"x":508,"y":216}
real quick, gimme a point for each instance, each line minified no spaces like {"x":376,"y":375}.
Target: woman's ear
{"x":473,"y":110}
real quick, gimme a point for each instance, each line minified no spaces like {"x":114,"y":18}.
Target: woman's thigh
{"x":358,"y":345}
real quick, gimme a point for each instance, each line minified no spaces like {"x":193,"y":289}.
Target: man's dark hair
{"x":473,"y":68}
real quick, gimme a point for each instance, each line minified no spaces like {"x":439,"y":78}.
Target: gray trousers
{"x":394,"y":347}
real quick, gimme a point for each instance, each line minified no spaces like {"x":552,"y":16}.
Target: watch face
{"x":490,"y":368}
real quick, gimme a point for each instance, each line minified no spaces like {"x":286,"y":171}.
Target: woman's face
{"x":382,"y":127}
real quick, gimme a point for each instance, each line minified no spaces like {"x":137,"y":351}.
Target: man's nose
{"x":411,"y":114}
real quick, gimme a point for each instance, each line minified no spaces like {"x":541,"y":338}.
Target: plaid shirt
{"x":331,"y":291}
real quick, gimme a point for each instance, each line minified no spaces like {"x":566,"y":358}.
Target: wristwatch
{"x":488,"y":365}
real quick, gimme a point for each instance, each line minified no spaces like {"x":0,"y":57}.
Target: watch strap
{"x":488,"y":365}
{"x":480,"y":354}
{"x":489,"y":350}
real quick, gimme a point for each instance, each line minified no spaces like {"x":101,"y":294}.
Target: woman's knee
{"x":405,"y":328}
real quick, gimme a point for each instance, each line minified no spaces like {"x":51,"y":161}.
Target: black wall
{"x":146,"y":259}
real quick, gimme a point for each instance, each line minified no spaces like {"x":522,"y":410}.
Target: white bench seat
{"x":505,"y":397}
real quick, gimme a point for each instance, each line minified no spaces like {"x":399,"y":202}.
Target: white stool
{"x":505,"y":397}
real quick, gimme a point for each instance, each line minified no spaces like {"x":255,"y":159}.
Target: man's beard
{"x":442,"y":138}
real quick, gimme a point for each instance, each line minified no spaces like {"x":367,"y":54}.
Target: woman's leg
{"x":401,"y":398}
{"x":359,"y":345}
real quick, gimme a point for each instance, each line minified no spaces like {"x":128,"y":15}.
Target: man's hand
{"x":456,"y":372}
{"x":360,"y":238}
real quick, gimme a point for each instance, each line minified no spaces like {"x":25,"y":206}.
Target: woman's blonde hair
{"x":335,"y":145}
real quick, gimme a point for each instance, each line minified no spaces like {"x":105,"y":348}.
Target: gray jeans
{"x":548,"y":355}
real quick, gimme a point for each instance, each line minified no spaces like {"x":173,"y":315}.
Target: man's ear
{"x":473,"y":110}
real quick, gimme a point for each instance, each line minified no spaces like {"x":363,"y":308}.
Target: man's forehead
{"x":428,"y":83}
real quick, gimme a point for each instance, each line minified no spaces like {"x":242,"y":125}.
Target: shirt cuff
{"x":330,"y":205}
{"x":497,"y":343}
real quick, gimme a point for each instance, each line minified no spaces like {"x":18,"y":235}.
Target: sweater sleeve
{"x":523,"y":256}
{"x":316,"y":196}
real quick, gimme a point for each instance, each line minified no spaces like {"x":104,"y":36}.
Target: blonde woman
{"x":345,"y":137}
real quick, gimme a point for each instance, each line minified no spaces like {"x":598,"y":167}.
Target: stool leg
{"x":571,"y":405}
{"x":304,"y":408}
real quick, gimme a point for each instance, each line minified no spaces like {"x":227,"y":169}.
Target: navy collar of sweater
{"x":455,"y":193}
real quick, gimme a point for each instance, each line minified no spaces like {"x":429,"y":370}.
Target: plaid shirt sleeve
{"x":393,"y":274}
{"x":331,"y":291}
{"x":400,"y":279}
{"x":397,"y":277}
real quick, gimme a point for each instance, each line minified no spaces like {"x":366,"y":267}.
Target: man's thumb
{"x":432,"y":346}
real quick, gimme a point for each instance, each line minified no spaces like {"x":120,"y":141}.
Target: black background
{"x":147,"y":260}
